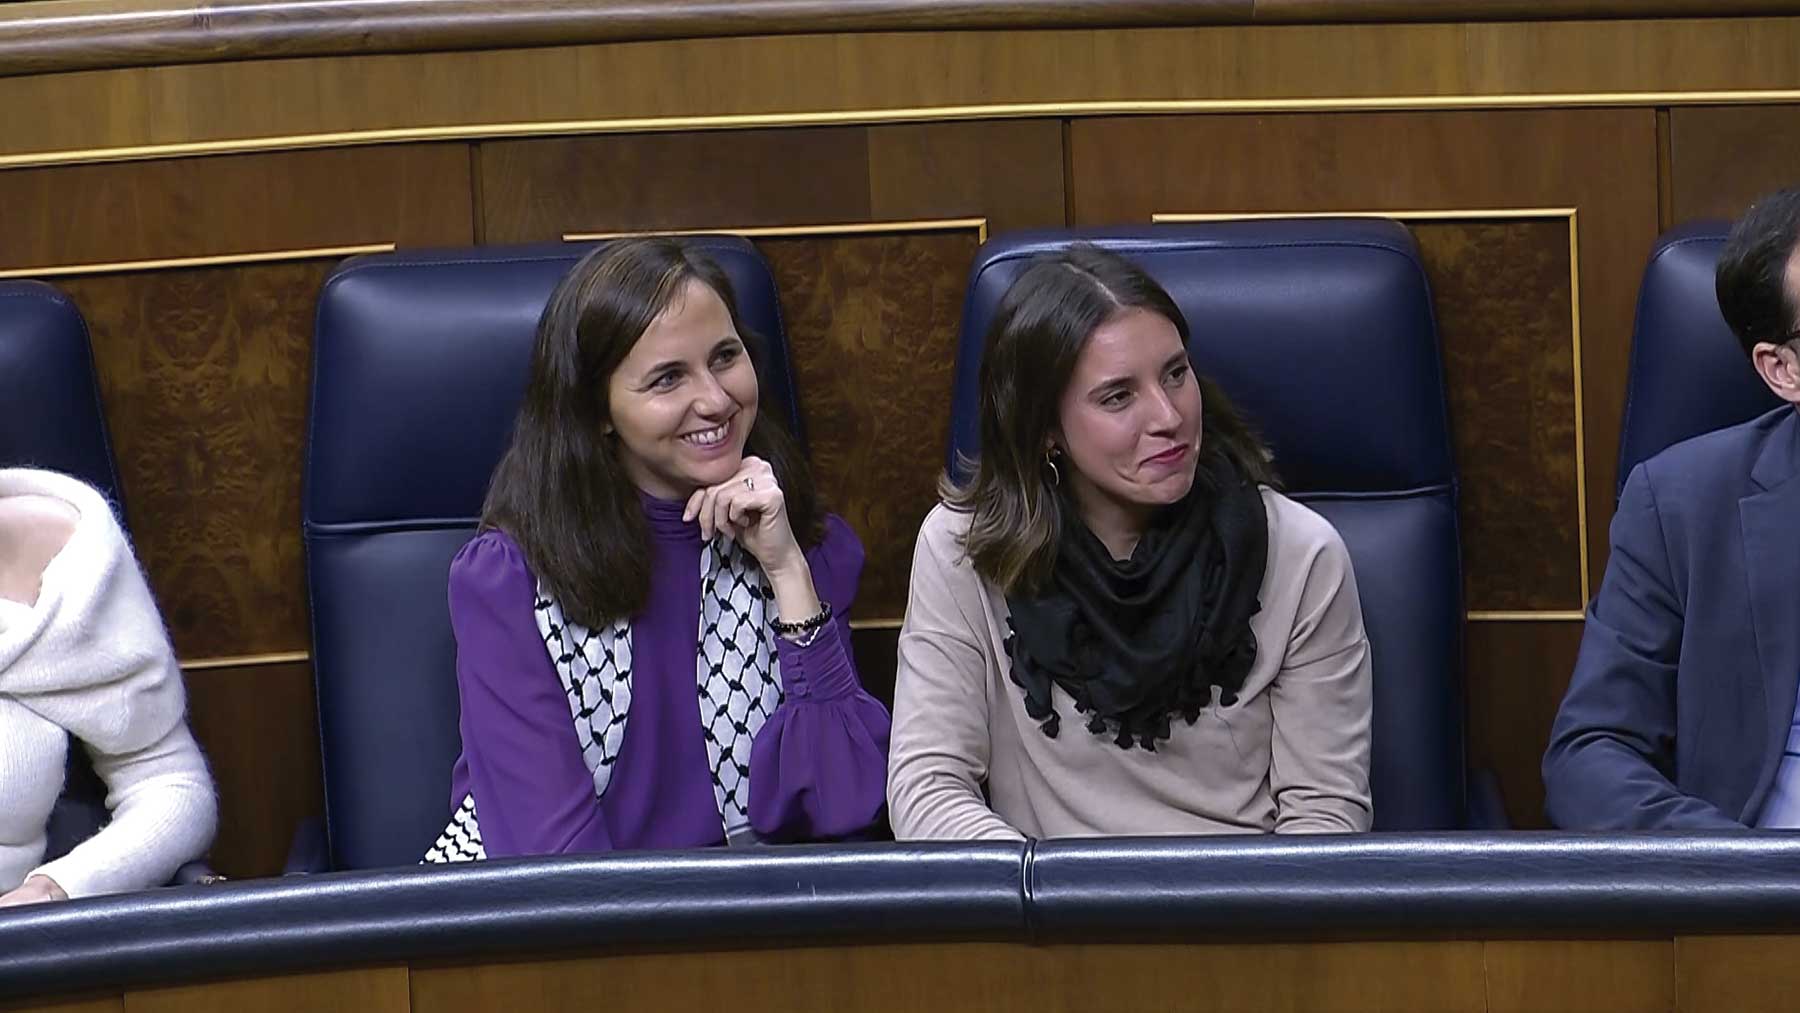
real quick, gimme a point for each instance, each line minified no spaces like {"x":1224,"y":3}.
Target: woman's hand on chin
{"x":35,"y":890}
{"x":749,"y":508}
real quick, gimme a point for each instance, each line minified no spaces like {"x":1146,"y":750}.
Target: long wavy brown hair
{"x":561,"y":489}
{"x":1044,"y":321}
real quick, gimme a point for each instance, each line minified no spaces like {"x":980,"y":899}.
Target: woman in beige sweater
{"x":1116,"y":626}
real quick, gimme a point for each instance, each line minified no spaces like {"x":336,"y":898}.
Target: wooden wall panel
{"x":1003,"y":978}
{"x":1007,"y":171}
{"x":373,"y":990}
{"x":203,"y":374}
{"x":1737,"y":974}
{"x":1502,"y":290}
{"x":259,"y":728}
{"x":900,"y":75}
{"x":1723,"y":157}
{"x":545,"y":188}
{"x":1516,"y":675}
{"x":1591,"y":975}
{"x":198,"y":207}
{"x":872,"y":325}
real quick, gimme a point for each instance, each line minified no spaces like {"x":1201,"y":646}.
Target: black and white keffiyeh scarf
{"x":737,"y":675}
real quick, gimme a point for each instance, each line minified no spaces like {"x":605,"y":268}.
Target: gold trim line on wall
{"x":980,"y":225}
{"x":1570,"y":215}
{"x":903,"y":114}
{"x":175,"y":263}
{"x":1547,"y":616}
{"x":246,"y":661}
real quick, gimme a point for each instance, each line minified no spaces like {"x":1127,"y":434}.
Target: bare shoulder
{"x":34,"y":528}
{"x":36,"y":519}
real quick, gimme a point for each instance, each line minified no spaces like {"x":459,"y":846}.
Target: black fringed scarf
{"x":1140,"y":641}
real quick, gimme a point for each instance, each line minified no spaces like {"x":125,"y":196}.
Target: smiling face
{"x":684,"y":398}
{"x":1129,"y":424}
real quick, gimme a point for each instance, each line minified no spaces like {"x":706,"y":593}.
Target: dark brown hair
{"x":561,"y":490}
{"x":1044,"y":321}
{"x":1751,"y":277}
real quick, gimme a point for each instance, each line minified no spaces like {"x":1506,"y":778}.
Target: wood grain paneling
{"x":203,"y":377}
{"x":203,"y":370}
{"x":1517,"y":673}
{"x":1737,"y":974}
{"x":1721,"y":158}
{"x":543,"y":189}
{"x":1591,"y":975}
{"x":1009,"y":172}
{"x":198,"y":207}
{"x":995,"y":977}
{"x":1216,"y":978}
{"x":1502,"y":291}
{"x":374,"y":990}
{"x":898,"y":76}
{"x":872,"y":326}
{"x":259,"y":728}
{"x":1601,"y":162}
{"x":88,"y":34}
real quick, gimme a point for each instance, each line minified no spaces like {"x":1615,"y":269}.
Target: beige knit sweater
{"x":1291,"y":756}
{"x":90,"y":659}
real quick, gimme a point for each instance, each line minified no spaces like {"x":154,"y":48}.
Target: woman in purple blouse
{"x":653,"y":645}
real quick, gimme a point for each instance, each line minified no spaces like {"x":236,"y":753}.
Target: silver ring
{"x":749,"y":483}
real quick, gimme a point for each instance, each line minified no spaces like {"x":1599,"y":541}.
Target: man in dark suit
{"x":1681,"y":711}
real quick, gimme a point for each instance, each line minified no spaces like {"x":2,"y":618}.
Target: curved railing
{"x":46,"y":36}
{"x":1170,"y":889}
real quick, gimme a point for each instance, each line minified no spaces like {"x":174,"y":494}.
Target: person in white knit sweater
{"x":84,"y":658}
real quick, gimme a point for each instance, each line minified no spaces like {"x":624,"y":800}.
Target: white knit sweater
{"x":91,"y":659}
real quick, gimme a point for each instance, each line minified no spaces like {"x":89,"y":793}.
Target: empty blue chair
{"x":1688,"y":373}
{"x":420,"y":361}
{"x":1322,"y":332}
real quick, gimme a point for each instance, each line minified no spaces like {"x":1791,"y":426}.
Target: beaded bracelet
{"x":803,"y":632}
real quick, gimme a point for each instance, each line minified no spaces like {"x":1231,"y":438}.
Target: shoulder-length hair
{"x":561,"y":489}
{"x":1045,"y":320}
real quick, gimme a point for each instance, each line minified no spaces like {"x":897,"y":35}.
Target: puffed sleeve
{"x":533,"y":793}
{"x":818,"y":769}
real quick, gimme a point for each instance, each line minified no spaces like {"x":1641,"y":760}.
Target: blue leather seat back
{"x":1688,"y":373}
{"x":420,"y":361}
{"x":1322,"y":333}
{"x":48,"y":388}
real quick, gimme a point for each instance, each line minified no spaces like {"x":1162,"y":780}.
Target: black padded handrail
{"x":1334,"y":886}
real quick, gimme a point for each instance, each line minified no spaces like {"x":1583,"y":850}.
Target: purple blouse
{"x":818,"y":767}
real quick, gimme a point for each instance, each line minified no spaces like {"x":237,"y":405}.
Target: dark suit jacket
{"x":1684,"y":689}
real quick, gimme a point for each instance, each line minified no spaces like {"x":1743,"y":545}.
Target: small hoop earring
{"x":1055,"y":472}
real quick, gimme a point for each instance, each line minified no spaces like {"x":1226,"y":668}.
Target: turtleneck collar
{"x":664,"y":518}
